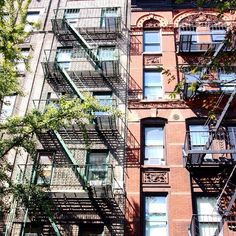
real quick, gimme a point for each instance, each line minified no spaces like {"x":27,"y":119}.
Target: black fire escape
{"x":210,"y":153}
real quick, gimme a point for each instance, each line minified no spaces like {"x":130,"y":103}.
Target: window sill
{"x":152,"y":53}
{"x":160,"y":167}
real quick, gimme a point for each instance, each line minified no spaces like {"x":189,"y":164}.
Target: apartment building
{"x":163,"y":167}
{"x":180,"y":169}
{"x":80,"y":48}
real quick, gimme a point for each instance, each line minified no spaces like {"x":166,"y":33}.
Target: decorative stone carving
{"x":155,"y":177}
{"x":151,"y":23}
{"x":158,"y":105}
{"x":199,"y":19}
{"x":150,"y":60}
{"x":162,"y":22}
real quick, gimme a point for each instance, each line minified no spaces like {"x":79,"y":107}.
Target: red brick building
{"x":180,"y":168}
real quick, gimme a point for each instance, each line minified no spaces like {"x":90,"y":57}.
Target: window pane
{"x":107,"y":54}
{"x":155,"y":215}
{"x":152,"y":48}
{"x":31,"y":17}
{"x":151,"y":37}
{"x":154,"y":155}
{"x":7,"y":107}
{"x":218,"y":35}
{"x":154,"y":136}
{"x":199,"y":135}
{"x":152,"y":85}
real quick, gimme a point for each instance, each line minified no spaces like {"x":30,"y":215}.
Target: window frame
{"x":158,"y":43}
{"x":160,"y":86}
{"x":201,"y":220}
{"x":152,"y":123}
{"x":90,"y":170}
{"x":28,"y":26}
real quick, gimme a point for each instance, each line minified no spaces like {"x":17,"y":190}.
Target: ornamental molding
{"x":151,"y":21}
{"x":151,"y":60}
{"x":155,"y":177}
{"x":208,"y":18}
{"x":157,"y":105}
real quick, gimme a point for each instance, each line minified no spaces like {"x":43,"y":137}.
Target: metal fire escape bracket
{"x":71,"y":83}
{"x":84,"y":45}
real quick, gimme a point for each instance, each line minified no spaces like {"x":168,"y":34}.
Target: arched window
{"x":151,"y":36}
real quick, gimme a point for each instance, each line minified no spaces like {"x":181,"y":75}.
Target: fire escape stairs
{"x":84,"y":45}
{"x":226,"y":201}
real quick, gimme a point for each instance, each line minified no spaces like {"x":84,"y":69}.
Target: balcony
{"x":218,"y":81}
{"x":57,"y":176}
{"x":192,"y":41}
{"x":212,"y":225}
{"x":209,"y":149}
{"x":91,"y":23}
{"x":70,"y":69}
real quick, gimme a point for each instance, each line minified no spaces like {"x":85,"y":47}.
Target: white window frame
{"x":158,"y":86}
{"x":106,"y":15}
{"x":156,"y":215}
{"x":207,"y":216}
{"x":71,"y":15}
{"x":64,"y":57}
{"x":154,"y":145}
{"x":107,"y":53}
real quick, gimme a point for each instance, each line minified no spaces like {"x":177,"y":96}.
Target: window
{"x":104,"y":99}
{"x":152,"y":85}
{"x":199,"y":136}
{"x":97,"y":167}
{"x":228,"y":80}
{"x":72,"y":16}
{"x":192,"y":77}
{"x":208,"y":216}
{"x":107,"y":54}
{"x":151,"y":41}
{"x":154,"y":146}
{"x":20,"y":66}
{"x":109,"y":18}
{"x":7,"y":107}
{"x":156,"y":216}
{"x":218,"y":33}
{"x":45,"y":169}
{"x":31,"y":19}
{"x":63,"y":57}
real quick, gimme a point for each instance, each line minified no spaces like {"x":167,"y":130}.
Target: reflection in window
{"x":155,"y":216}
{"x":152,"y":41}
{"x":152,"y":85}
{"x":20,"y":66}
{"x":228,"y":80}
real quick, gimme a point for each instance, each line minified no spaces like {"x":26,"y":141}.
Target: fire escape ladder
{"x":227,"y":194}
{"x":84,"y":45}
{"x":71,"y":82}
{"x":222,"y":115}
{"x":71,"y":158}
